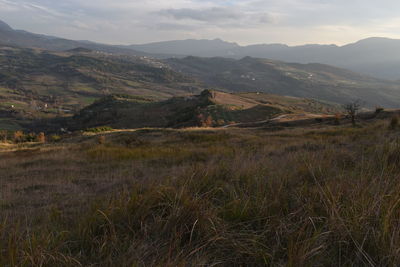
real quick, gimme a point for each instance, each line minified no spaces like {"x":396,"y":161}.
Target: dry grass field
{"x":310,"y":196}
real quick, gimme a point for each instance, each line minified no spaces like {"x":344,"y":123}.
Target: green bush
{"x":55,"y":138}
{"x":99,"y":129}
{"x":379,"y":110}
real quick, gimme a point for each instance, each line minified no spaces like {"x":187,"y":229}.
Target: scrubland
{"x":315,"y":196}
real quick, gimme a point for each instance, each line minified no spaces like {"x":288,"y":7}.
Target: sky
{"x":292,"y":22}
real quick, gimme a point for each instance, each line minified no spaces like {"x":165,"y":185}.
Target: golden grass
{"x":299,"y":197}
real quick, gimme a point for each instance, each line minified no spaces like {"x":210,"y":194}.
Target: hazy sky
{"x":243,"y":21}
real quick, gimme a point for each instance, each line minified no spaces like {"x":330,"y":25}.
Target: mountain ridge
{"x":375,"y":56}
{"x":25,"y":39}
{"x":4,"y":26}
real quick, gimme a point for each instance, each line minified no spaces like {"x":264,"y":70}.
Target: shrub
{"x":99,"y":129}
{"x":394,"y":122}
{"x":220,"y":122}
{"x":352,"y":109}
{"x":338,"y":116}
{"x":204,"y":120}
{"x":30,"y":138}
{"x":3,"y":136}
{"x":378,"y":109}
{"x":208,"y":122}
{"x":200,"y":119}
{"x":18,"y":136}
{"x":41,"y":138}
{"x":55,"y":138}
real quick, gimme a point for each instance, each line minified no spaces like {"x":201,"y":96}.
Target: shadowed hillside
{"x":301,"y":80}
{"x":210,"y":108}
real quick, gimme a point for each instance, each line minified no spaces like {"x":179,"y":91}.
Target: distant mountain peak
{"x":5,"y":27}
{"x":376,"y":40}
{"x":223,"y":41}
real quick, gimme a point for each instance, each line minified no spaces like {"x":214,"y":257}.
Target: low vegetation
{"x":21,"y":137}
{"x":99,"y":129}
{"x":316,"y":196}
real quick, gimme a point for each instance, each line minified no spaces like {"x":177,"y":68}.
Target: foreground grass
{"x":317,"y":197}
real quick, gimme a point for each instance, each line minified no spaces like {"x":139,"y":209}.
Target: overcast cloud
{"x":243,"y":21}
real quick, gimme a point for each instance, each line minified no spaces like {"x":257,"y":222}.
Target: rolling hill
{"x":40,"y":84}
{"x":210,"y":108}
{"x":301,"y":80}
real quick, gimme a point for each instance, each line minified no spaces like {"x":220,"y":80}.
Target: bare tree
{"x":352,"y":109}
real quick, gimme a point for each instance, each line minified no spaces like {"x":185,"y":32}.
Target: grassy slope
{"x":302,"y":80}
{"x":297,"y":197}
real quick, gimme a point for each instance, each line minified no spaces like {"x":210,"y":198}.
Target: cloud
{"x":243,"y":21}
{"x":226,"y":17}
{"x":173,"y":27}
{"x":206,"y":15}
{"x":83,"y":26}
{"x":28,"y":7}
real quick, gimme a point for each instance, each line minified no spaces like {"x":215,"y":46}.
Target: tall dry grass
{"x":320,"y":197}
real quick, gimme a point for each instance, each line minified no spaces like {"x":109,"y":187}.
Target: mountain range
{"x":375,"y":56}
